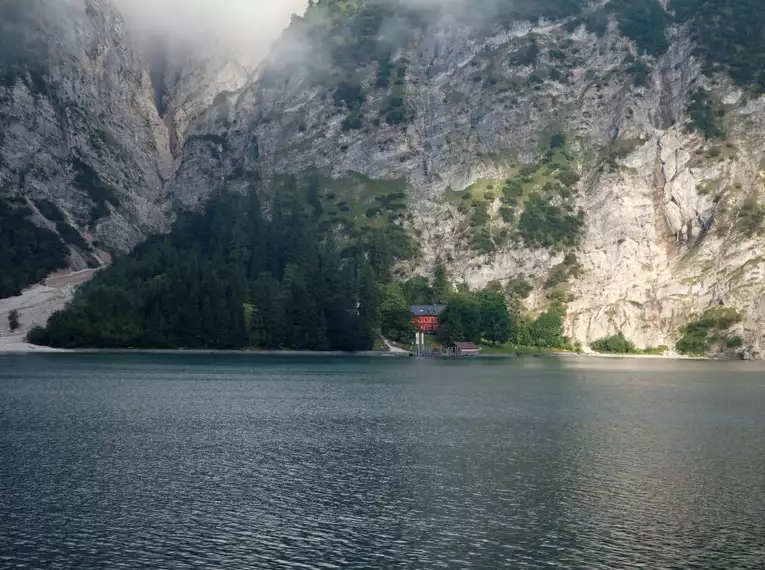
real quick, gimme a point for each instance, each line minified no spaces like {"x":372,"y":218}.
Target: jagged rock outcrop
{"x":84,"y":103}
{"x":90,"y":123}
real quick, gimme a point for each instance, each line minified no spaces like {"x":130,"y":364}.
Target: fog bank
{"x":244,"y":27}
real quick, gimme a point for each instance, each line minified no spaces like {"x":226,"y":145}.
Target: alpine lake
{"x":243,"y":461}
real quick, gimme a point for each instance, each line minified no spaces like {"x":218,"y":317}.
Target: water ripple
{"x":149,"y":462}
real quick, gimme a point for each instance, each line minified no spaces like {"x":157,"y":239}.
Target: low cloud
{"x":246,"y":28}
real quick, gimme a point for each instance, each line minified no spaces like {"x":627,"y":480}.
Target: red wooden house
{"x":425,"y":317}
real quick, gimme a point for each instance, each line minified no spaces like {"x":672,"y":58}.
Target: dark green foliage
{"x":481,"y":240}
{"x":396,"y":111}
{"x":639,"y":71}
{"x":480,"y":213}
{"x":596,"y":20}
{"x":709,"y":332}
{"x":557,"y":140}
{"x":384,"y":246}
{"x":526,"y":56}
{"x":617,"y":150}
{"x":495,"y":319}
{"x":395,"y":316}
{"x":441,"y":287}
{"x":547,"y":330}
{"x":350,"y":94}
{"x":556,"y":74}
{"x":728,"y":36}
{"x":644,"y":22}
{"x":353,"y":122}
{"x":512,"y":191}
{"x":461,"y":320}
{"x":535,"y":79}
{"x":417,"y":291}
{"x":544,"y":332}
{"x":520,"y":330}
{"x":313,"y":197}
{"x":71,"y":236}
{"x":567,"y":177}
{"x":545,"y":225}
{"x":750,"y":219}
{"x":13,"y":320}
{"x":693,"y":343}
{"x":569,"y":268}
{"x":509,"y":12}
{"x":230,"y":278}
{"x":507,"y":214}
{"x":384,"y":71}
{"x":485,"y":316}
{"x":27,"y":253}
{"x":705,"y":115}
{"x":519,"y":288}
{"x":98,"y":191}
{"x":49,"y":210}
{"x":616,"y":344}
{"x":734,"y":342}
{"x":354,"y":34}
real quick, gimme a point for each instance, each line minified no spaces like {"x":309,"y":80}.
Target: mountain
{"x":608,"y":155}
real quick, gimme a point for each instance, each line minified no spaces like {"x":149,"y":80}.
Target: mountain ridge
{"x":655,"y":143}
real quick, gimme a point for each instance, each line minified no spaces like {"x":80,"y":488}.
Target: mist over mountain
{"x":244,"y":28}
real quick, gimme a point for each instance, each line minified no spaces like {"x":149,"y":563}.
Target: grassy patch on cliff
{"x":549,"y":218}
{"x":360,"y":199}
{"x":355,"y":206}
{"x":536,"y":203}
{"x":750,"y":218}
{"x":705,"y":116}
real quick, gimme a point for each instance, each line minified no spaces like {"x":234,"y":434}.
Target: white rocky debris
{"x":35,"y":305}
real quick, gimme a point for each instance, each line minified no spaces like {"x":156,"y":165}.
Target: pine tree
{"x":495,"y":320}
{"x":440,"y":285}
{"x":13,"y":320}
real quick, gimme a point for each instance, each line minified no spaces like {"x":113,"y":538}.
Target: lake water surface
{"x":187,"y":461}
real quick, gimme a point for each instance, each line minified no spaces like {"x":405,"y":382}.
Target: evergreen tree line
{"x":231,"y":277}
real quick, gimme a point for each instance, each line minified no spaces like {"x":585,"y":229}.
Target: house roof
{"x":467,"y":346}
{"x":427,"y":310}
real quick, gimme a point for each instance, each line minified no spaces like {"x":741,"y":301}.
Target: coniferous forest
{"x":233,"y":277}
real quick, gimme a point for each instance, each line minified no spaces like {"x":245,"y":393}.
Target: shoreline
{"x":21,"y":347}
{"x":27,"y":348}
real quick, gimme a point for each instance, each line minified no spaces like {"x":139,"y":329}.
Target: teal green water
{"x":185,"y":461}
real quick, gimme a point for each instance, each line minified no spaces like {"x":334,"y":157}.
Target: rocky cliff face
{"x":79,"y":124}
{"x":471,"y":119}
{"x":93,"y":122}
{"x":664,"y":237}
